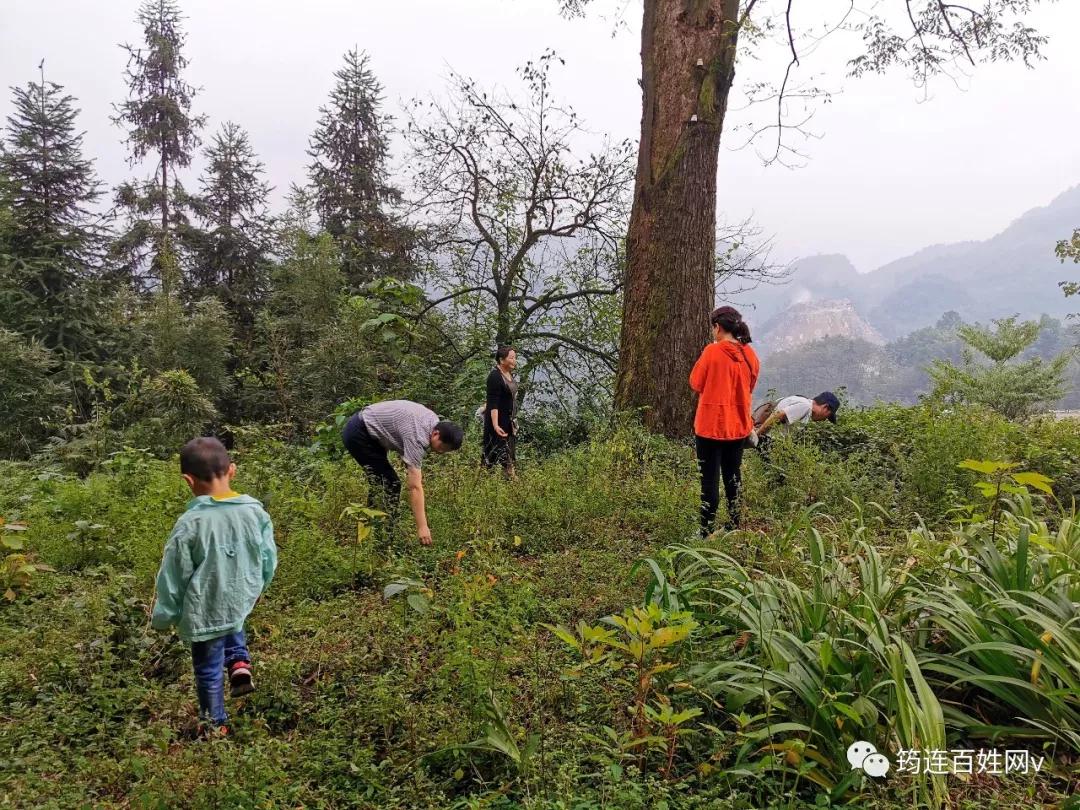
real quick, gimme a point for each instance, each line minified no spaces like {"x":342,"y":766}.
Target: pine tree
{"x":230,"y":258}
{"x":51,"y":239}
{"x":1014,"y":388}
{"x":158,"y":118}
{"x":349,"y":150}
{"x":29,"y":394}
{"x":307,"y":291}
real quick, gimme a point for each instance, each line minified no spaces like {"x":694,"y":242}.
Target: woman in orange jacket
{"x":724,"y":378}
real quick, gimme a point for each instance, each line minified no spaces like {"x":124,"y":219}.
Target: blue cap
{"x":828,"y":398}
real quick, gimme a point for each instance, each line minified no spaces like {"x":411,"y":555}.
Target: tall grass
{"x":970,"y":634}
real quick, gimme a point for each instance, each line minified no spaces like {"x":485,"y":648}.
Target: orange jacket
{"x":724,"y":377}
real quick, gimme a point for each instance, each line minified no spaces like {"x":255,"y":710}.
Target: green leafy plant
{"x":966,"y":635}
{"x":639,"y":648}
{"x":328,"y":432}
{"x":671,"y":726}
{"x":1002,"y":479}
{"x":1010,"y":661}
{"x":416,"y":594}
{"x":89,"y":540}
{"x":801,"y":662}
{"x":366,"y":521}
{"x":18,"y":567}
{"x":130,"y":465}
{"x":498,"y":738}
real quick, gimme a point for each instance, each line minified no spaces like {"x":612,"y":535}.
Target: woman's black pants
{"x":719,"y":458}
{"x":497,"y":450}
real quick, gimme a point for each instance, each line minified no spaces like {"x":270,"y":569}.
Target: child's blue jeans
{"x":210,"y":659}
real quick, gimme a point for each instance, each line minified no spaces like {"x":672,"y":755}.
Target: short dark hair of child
{"x":204,"y":459}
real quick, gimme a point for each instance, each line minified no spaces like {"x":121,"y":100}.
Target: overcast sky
{"x":892,"y":172}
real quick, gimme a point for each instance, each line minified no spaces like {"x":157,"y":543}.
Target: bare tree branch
{"x":523,"y":228}
{"x":928,"y":37}
{"x":608,"y":359}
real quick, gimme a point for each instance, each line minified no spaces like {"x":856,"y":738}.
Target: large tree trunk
{"x":163,"y":238}
{"x":687,"y":66}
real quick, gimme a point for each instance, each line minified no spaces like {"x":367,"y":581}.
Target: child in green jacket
{"x":218,"y":560}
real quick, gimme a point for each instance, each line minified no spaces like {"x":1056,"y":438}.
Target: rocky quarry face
{"x":813,"y":320}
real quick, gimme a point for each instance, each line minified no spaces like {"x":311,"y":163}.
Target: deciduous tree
{"x":524,"y":236}
{"x":1069,"y":249}
{"x":689,"y":50}
{"x":1013,"y":388}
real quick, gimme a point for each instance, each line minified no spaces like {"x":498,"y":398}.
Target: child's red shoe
{"x":206,"y":732}
{"x":240,"y":682}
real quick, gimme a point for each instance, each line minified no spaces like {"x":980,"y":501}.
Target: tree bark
{"x":687,"y":67}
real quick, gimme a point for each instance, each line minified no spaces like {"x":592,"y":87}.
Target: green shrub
{"x":168,"y":410}
{"x":962,"y":637}
{"x":30,"y":398}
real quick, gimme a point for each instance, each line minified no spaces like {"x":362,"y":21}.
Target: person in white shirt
{"x":799,"y":410}
{"x":794,"y":410}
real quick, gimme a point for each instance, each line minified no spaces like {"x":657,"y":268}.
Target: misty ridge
{"x":825,"y":323}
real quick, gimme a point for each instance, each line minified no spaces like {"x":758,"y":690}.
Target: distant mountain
{"x":1013,"y":272}
{"x":815,"y":320}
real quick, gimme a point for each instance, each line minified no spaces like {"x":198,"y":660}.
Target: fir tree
{"x":349,"y":150}
{"x":50,"y":237}
{"x":1014,"y":388}
{"x":159,"y":122}
{"x":230,"y":256}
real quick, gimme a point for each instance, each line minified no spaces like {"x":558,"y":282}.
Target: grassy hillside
{"x":847,"y":609}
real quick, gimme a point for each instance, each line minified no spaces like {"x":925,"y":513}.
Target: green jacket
{"x":218,"y":560}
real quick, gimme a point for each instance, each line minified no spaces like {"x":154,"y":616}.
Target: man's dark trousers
{"x":372,"y":456}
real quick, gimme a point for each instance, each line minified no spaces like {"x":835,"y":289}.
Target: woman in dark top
{"x":500,"y":426}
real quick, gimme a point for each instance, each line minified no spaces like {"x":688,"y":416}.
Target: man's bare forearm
{"x":415,"y":484}
{"x":416,"y":502}
{"x":774,"y":418}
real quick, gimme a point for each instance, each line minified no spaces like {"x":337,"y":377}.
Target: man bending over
{"x":410,"y":430}
{"x":794,"y":410}
{"x":800,"y":410}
